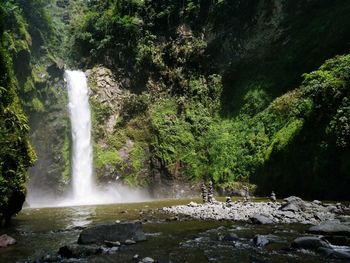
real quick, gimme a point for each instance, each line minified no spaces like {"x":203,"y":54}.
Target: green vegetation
{"x":16,"y":153}
{"x":103,"y":157}
{"x":214,"y":85}
{"x":209,"y":90}
{"x":30,"y":76}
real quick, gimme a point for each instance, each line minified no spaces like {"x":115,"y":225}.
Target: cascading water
{"x":84,"y":189}
{"x":80,"y":118}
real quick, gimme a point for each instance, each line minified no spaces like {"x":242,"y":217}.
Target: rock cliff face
{"x":50,"y":136}
{"x":118,"y":154}
{"x":107,"y":95}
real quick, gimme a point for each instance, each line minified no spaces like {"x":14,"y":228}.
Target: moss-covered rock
{"x":16,"y":153}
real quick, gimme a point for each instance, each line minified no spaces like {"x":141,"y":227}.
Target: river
{"x":45,"y":230}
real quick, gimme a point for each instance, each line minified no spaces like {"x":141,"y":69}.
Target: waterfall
{"x":80,"y":118}
{"x":85,"y":191}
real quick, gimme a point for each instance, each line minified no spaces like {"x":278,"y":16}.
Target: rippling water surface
{"x":43,"y":231}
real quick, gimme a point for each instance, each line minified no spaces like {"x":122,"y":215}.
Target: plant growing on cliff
{"x":16,"y":153}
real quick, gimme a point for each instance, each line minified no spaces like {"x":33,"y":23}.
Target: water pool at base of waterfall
{"x":43,"y":231}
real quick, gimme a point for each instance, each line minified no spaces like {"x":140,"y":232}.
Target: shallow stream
{"x":43,"y":231}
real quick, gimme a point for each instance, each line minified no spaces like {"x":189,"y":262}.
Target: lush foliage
{"x":16,"y":154}
{"x":214,"y":88}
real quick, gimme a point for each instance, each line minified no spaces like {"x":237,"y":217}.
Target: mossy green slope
{"x":16,"y":154}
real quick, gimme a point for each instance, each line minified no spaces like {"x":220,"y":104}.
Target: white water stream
{"x":84,"y":189}
{"x":80,"y":118}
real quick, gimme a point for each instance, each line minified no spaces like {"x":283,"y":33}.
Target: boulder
{"x":293,"y":204}
{"x":290,"y":207}
{"x":76,"y":251}
{"x":310,"y":242}
{"x":112,"y":232}
{"x":260,"y":219}
{"x":6,"y":241}
{"x":263,"y":240}
{"x":332,"y":209}
{"x":331,"y":228}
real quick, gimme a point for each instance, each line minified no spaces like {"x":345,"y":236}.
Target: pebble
{"x":147,"y":260}
{"x":129,"y":242}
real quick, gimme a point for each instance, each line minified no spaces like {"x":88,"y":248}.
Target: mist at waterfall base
{"x":84,"y":189}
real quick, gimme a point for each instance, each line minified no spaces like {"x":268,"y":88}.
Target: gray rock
{"x":332,"y":208}
{"x":6,"y":241}
{"x":317,"y":202}
{"x":290,"y":207}
{"x":320,"y":216}
{"x":193,"y":204}
{"x":293,"y":199}
{"x":76,"y":251}
{"x":129,"y":242}
{"x":228,"y":201}
{"x":296,"y":211}
{"x":293,"y":204}
{"x":260,"y":219}
{"x":204,"y":192}
{"x":263,"y":240}
{"x":147,"y":260}
{"x":112,"y":232}
{"x":331,"y":228}
{"x":113,"y":250}
{"x":310,"y":242}
{"x":273,"y":197}
{"x":210,"y":196}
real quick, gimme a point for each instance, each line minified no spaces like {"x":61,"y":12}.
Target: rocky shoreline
{"x":329,"y":234}
{"x":291,"y":210}
{"x":325,"y":233}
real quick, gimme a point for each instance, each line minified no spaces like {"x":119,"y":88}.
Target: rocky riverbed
{"x":291,"y":210}
{"x":147,"y":232}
